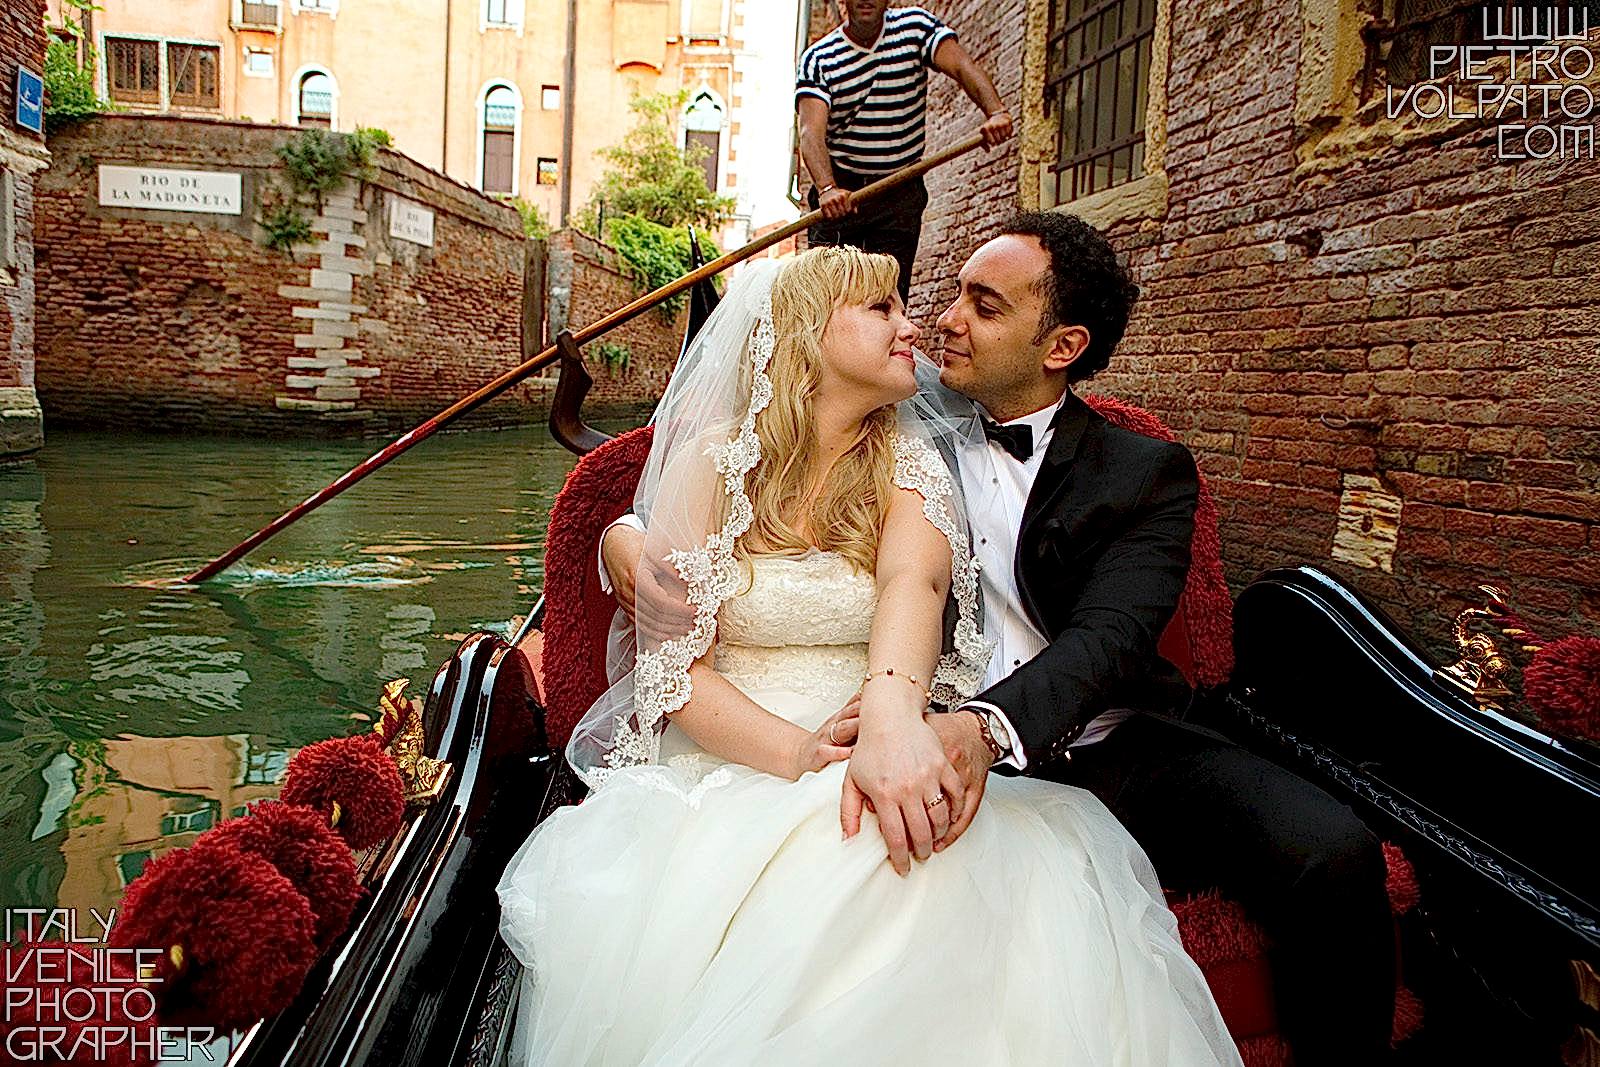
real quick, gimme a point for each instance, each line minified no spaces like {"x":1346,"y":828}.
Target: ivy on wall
{"x":315,"y":162}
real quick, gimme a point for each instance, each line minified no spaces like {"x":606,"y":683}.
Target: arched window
{"x":500,"y":116}
{"x":702,"y":127}
{"x":316,"y":94}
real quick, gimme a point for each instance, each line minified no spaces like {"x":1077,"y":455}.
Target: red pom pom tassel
{"x":304,"y":849}
{"x":238,"y":935}
{"x":1562,"y":683}
{"x":1404,"y":892}
{"x":49,"y":998}
{"x":353,"y":783}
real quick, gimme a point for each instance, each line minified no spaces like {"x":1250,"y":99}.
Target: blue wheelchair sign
{"x":30,"y":100}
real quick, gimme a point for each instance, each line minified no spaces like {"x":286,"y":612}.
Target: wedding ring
{"x":935,"y":802}
{"x":831,"y":738}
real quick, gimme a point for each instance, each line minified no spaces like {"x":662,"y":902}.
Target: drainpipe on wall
{"x":444,"y":136}
{"x":568,"y":104}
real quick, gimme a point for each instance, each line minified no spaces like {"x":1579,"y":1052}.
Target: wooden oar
{"x":511,"y":377}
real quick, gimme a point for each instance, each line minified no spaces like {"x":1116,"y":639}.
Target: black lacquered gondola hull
{"x":1495,"y":815}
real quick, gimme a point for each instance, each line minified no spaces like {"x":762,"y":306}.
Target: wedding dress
{"x":693,"y":911}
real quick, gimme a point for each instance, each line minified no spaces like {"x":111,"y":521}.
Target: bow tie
{"x":1016,"y":440}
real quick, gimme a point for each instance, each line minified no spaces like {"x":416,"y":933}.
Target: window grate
{"x":133,"y":68}
{"x":259,"y":13}
{"x":1399,"y":43}
{"x":1096,"y":87}
{"x":192,"y":75}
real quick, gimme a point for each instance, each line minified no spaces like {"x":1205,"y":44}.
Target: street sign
{"x":211,"y":192}
{"x":30,"y":100}
{"x":410,"y":222}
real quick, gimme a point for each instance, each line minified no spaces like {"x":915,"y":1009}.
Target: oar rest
{"x":577,"y":613}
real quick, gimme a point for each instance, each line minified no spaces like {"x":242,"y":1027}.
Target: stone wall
{"x":587,"y":282}
{"x":176,"y":320}
{"x":22,"y":156}
{"x":162,"y":319}
{"x":1379,"y":340}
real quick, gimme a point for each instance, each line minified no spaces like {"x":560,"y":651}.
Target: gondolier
{"x":861,"y":92}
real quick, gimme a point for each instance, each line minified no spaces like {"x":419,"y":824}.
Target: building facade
{"x":1368,"y":309}
{"x":22,"y":156}
{"x":513,"y":97}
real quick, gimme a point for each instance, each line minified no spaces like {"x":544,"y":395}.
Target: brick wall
{"x":168,"y":320}
{"x":588,"y":282}
{"x":1416,"y":325}
{"x":22,"y":155}
{"x":176,"y":320}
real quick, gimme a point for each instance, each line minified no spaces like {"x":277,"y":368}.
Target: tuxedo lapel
{"x":1053,"y":480}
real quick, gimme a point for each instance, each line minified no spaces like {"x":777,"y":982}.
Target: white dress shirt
{"x":994,"y":511}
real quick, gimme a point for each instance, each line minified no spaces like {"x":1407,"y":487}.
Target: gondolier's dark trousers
{"x":1211,"y":814}
{"x":891,"y":224}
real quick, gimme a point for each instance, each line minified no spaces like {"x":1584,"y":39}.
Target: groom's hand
{"x":651,"y":593}
{"x":898,"y":767}
{"x":963,"y":745}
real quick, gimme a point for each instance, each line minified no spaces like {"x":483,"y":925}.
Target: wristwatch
{"x":993,"y":731}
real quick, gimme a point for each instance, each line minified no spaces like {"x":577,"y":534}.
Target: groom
{"x":1083,"y":543}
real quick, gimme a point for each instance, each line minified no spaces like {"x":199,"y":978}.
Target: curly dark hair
{"x":1085,"y":285}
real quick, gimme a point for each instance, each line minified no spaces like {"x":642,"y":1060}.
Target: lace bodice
{"x":799,"y":622}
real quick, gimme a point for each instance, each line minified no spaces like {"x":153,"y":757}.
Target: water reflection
{"x":133,"y":716}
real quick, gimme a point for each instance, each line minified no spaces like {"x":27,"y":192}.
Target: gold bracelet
{"x":927,"y":694}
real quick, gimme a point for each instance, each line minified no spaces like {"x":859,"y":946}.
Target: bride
{"x":701,"y":906}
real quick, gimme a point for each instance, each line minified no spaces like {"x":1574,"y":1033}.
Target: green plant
{"x":315,"y":162}
{"x":68,"y":80}
{"x":286,"y":224}
{"x":534,"y":225}
{"x":614,"y":356}
{"x":648,"y":175}
{"x":656,"y":255}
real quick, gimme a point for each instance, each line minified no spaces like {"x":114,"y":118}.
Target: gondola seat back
{"x":1199,"y":639}
{"x":578,"y":614}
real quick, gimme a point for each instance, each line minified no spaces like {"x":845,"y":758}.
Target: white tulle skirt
{"x":696,"y":912}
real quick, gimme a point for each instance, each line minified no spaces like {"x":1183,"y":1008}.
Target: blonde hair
{"x":854,"y":500}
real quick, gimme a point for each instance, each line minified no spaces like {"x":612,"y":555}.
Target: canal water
{"x":133,"y":717}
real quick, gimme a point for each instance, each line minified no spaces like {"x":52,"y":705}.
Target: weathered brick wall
{"x":1424,"y":318}
{"x":21,"y":41}
{"x":22,"y":154}
{"x":588,"y":282}
{"x":164,"y":320}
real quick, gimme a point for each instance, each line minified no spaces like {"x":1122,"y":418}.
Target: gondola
{"x":1497,"y":897}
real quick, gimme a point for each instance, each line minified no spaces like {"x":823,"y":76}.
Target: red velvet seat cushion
{"x":577,"y":614}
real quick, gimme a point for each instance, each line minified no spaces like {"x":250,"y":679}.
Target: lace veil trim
{"x":661,"y":677}
{"x":918,"y":466}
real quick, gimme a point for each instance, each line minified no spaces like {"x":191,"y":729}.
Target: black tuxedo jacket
{"x":1101,"y":561}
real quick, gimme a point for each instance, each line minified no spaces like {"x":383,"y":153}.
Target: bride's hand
{"x":899,"y":766}
{"x":829,"y":743}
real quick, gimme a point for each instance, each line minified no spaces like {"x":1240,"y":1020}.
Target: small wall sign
{"x":30,"y":100}
{"x":212,"y":192}
{"x":410,"y":222}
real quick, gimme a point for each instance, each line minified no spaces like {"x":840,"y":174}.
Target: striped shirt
{"x":877,"y":96}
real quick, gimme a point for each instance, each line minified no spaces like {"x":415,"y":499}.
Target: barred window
{"x":133,"y":68}
{"x":1399,"y":40}
{"x":259,"y":12}
{"x":1096,"y":86}
{"x":316,"y":100}
{"x":192,"y":75}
